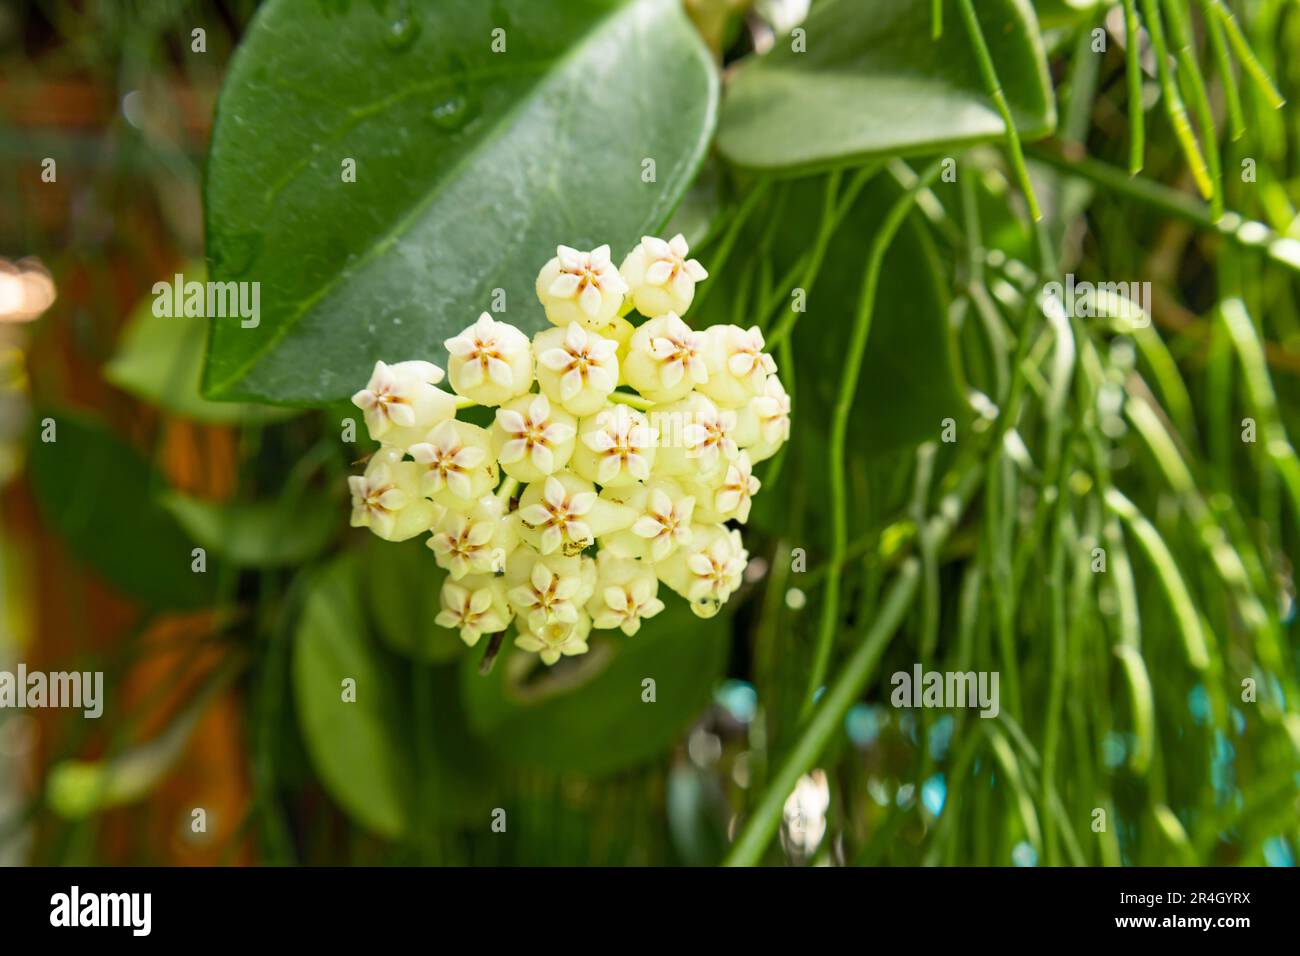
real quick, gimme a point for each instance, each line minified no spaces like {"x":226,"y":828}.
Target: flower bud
{"x":763,"y":425}
{"x":729,"y":497}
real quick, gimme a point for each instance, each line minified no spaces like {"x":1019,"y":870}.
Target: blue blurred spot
{"x":1198,"y":702}
{"x":738,"y":698}
{"x":1221,"y":770}
{"x":941,"y":736}
{"x":1238,"y":721}
{"x":862,"y":724}
{"x":907,"y":726}
{"x":1277,"y":852}
{"x":906,"y":794}
{"x":934,"y":792}
{"x":1023,"y":855}
{"x":1113,"y":749}
{"x":817,"y":695}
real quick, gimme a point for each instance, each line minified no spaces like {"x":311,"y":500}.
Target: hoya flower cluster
{"x":616,"y":455}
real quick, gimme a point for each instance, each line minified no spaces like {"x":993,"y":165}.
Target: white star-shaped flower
{"x":738,"y":366}
{"x":462,"y":467}
{"x":532,"y":439}
{"x":559,"y":517}
{"x":666,"y":359}
{"x":491,"y":362}
{"x":576,"y":367}
{"x":660,"y":277}
{"x":616,"y":447}
{"x":581,"y":287}
{"x":548,"y":597}
{"x":385,"y":499}
{"x":664,"y":524}
{"x":559,"y":638}
{"x":401,"y":402}
{"x":473,"y":607}
{"x":463,"y":545}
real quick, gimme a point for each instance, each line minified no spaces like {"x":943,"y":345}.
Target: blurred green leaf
{"x":360,"y":748}
{"x":96,"y":491}
{"x":871,"y":82}
{"x":365,"y":751}
{"x":588,"y":715}
{"x":402,"y":583}
{"x":471,"y":167}
{"x":160,"y":359}
{"x":259,"y":533}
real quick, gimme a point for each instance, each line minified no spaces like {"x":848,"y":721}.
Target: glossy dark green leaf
{"x":99,"y":494}
{"x":871,"y":82}
{"x":471,"y":166}
{"x":588,"y":715}
{"x":260,"y":533}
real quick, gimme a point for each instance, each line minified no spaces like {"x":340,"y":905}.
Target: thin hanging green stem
{"x":1223,"y":63}
{"x":1174,"y":108}
{"x":1133,"y":66}
{"x":936,"y":19}
{"x":855,"y":350}
{"x":825,"y":722}
{"x":993,"y":86}
{"x":1190,"y":69}
{"x":1249,"y":62}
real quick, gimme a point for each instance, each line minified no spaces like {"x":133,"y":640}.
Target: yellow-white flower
{"x":386,"y":499}
{"x":664,"y":512}
{"x":665,"y":359}
{"x":564,"y":513}
{"x":457,"y":463}
{"x":401,"y":402}
{"x":576,"y":368}
{"x":730,"y":497}
{"x":696,"y":437}
{"x":532,"y":438}
{"x":626,"y":592}
{"x":491,"y":362}
{"x":556,"y":639}
{"x":659,"y":277}
{"x":738,"y":366}
{"x":615,"y":448}
{"x":707,"y":570}
{"x":475,"y":606}
{"x":547,"y":597}
{"x":763,"y":425}
{"x":581,"y":287}
{"x":474,"y":541}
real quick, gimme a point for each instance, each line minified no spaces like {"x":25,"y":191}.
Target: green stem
{"x":993,"y":86}
{"x":635,"y":401}
{"x":1133,"y":66}
{"x":1174,"y":107}
{"x":1231,"y":92}
{"x":840,"y":426}
{"x":1246,"y":55}
{"x":825,"y":722}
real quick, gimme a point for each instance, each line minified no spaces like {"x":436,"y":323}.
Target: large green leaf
{"x":471,"y":166}
{"x":589,"y":715}
{"x":96,"y":491}
{"x":871,"y":82}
